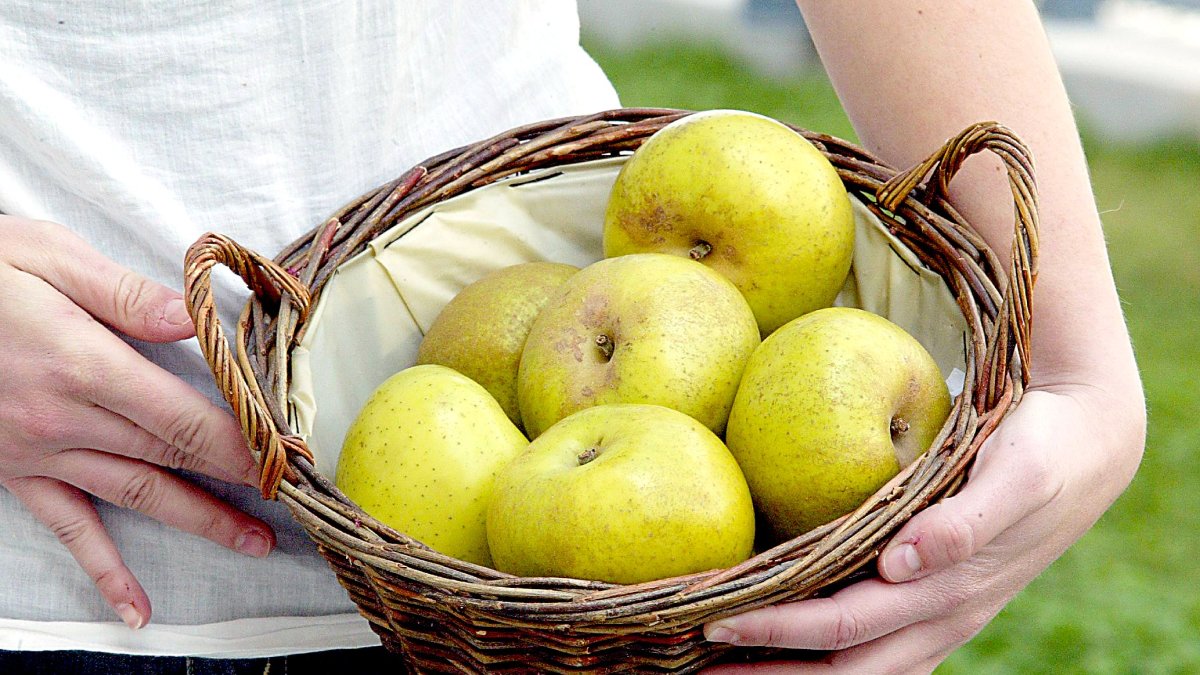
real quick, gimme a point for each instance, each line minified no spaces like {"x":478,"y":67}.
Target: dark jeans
{"x":366,"y":660}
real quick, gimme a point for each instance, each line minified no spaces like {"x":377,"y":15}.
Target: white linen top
{"x":143,"y":125}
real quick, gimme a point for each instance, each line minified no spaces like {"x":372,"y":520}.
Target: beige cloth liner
{"x":374,"y":311}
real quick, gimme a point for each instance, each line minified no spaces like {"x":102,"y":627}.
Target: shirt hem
{"x":237,"y":639}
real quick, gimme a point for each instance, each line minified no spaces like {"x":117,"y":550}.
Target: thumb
{"x":113,"y":294}
{"x":1010,"y":480}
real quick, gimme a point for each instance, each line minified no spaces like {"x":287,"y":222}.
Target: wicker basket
{"x":445,"y":615}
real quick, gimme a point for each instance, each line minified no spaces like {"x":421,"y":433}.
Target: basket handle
{"x":235,"y":379}
{"x":939,"y":169}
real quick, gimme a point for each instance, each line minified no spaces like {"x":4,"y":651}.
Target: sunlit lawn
{"x":1125,"y":599}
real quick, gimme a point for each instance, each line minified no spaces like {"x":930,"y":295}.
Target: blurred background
{"x":1124,"y":599}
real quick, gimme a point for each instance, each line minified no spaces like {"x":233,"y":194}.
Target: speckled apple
{"x":482,"y":330}
{"x":644,"y":328}
{"x":831,"y":407}
{"x":623,"y":493}
{"x":422,"y":457}
{"x":746,"y":196}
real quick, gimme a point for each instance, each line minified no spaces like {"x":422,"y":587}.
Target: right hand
{"x":81,"y":412}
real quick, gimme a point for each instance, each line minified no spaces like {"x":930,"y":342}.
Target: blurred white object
{"x":1132,"y":67}
{"x":1134,"y":72}
{"x":1174,"y":24}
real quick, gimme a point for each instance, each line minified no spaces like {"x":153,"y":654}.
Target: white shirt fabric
{"x":142,"y":126}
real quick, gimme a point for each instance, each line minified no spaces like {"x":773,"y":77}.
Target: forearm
{"x":914,"y":74}
{"x":910,"y":75}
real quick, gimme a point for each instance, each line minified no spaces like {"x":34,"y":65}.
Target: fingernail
{"x":176,"y":314}
{"x":253,"y":543}
{"x":717,"y":632}
{"x":902,"y":562}
{"x":130,"y":615}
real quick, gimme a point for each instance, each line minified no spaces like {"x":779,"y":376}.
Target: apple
{"x":745,"y":195}
{"x":422,"y":457}
{"x":645,"y":328}
{"x":623,"y":493}
{"x":832,"y":406}
{"x":481,"y":331}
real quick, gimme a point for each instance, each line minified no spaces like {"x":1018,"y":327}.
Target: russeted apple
{"x":482,"y":330}
{"x":623,"y":493}
{"x":422,"y":457}
{"x":831,"y":406}
{"x":645,"y":328}
{"x":748,"y":197}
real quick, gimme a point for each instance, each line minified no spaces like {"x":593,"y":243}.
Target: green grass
{"x":1124,"y":598}
{"x":696,"y":78}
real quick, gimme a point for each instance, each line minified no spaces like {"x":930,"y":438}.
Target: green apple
{"x":745,"y":195}
{"x":422,"y":457}
{"x":481,"y":331}
{"x":623,"y":493}
{"x":646,"y":328}
{"x":831,"y":406}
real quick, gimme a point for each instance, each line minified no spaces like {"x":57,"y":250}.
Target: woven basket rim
{"x":392,"y":578}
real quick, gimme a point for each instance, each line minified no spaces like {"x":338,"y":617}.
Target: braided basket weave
{"x":444,"y":615}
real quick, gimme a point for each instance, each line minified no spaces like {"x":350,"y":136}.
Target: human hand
{"x":81,"y":412}
{"x":1040,"y":481}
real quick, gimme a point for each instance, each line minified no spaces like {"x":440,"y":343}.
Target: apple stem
{"x":700,"y":250}
{"x":899,"y":426}
{"x":587,"y":456}
{"x":605,"y":345}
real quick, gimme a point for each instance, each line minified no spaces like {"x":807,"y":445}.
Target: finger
{"x":115,"y":295}
{"x":84,"y":361}
{"x":124,"y":382}
{"x":765,"y":668}
{"x":165,"y":497}
{"x":70,"y":515}
{"x":101,"y":429}
{"x":915,"y":649}
{"x":856,"y":614}
{"x":93,"y":427}
{"x":1010,"y":480}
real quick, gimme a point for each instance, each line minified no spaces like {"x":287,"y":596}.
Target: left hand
{"x":1040,"y":481}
